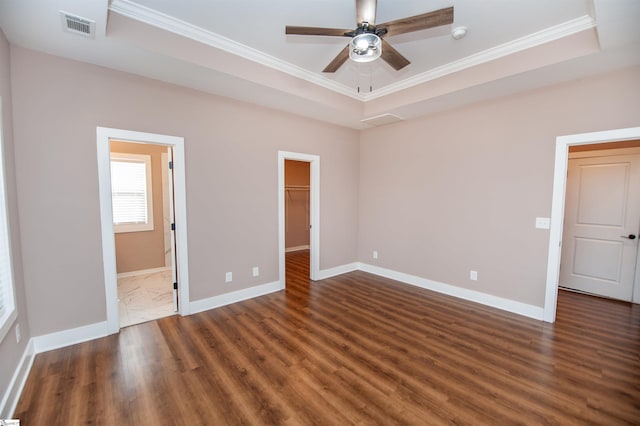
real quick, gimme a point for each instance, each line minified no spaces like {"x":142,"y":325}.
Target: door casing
{"x":104,"y":136}
{"x":557,"y":207}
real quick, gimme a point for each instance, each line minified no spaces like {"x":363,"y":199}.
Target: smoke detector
{"x":78,"y":25}
{"x":459,"y":32}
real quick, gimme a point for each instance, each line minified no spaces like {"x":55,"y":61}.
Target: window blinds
{"x":129,"y":191}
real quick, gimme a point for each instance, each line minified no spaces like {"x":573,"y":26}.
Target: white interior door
{"x":172,"y":242}
{"x":602,"y":220}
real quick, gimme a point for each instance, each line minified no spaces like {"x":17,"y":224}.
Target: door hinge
{"x":173,"y":226}
{"x":170,"y":165}
{"x":175,"y":286}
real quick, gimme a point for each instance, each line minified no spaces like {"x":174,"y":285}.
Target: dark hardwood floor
{"x":354,"y":349}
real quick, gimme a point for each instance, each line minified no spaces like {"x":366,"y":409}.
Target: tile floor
{"x":145,"y":297}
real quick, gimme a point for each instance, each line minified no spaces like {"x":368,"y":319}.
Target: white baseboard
{"x":70,"y":337}
{"x":14,"y":390}
{"x":459,"y":292}
{"x":338,"y":270}
{"x":296,"y":248}
{"x":144,"y":272}
{"x":235,"y":296}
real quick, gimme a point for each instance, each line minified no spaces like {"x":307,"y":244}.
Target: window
{"x":8,"y":312}
{"x":131,"y":192}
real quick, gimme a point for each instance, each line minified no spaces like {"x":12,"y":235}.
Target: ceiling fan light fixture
{"x":365,"y":47}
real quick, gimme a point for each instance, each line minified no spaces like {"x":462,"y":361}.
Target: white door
{"x":174,"y":271}
{"x":601,"y":224}
{"x":168,"y":221}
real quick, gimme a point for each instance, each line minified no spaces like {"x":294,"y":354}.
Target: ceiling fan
{"x":367,"y":43}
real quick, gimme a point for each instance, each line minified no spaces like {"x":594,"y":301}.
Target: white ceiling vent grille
{"x":77,"y":25}
{"x":381,"y":120}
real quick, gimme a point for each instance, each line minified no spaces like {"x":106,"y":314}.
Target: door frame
{"x":557,"y":207}
{"x":314,"y":213}
{"x":104,"y":136}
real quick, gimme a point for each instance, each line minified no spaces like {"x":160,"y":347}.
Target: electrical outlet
{"x":256,"y":271}
{"x":375,"y":254}
{"x":17,"y":333}
{"x":473,"y":275}
{"x":228,"y":277}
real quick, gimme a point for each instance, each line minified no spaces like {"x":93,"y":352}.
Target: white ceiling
{"x":237,"y":48}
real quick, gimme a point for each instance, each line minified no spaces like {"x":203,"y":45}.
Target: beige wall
{"x":296,"y":173}
{"x":10,"y":350}
{"x":436,"y":196}
{"x":460,"y":190}
{"x":137,"y":251}
{"x":231,"y":151}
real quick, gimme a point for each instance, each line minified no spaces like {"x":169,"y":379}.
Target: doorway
{"x":296,"y":197}
{"x":297,"y":223}
{"x":558,"y":207}
{"x":142,"y":201}
{"x":172,"y":146}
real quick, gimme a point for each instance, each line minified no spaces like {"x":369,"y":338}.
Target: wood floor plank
{"x":352,"y":349}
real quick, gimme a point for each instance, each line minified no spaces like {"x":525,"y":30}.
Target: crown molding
{"x":547,"y":35}
{"x":168,"y":23}
{"x":176,"y":26}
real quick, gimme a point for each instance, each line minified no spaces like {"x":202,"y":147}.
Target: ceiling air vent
{"x":77,"y":25}
{"x":381,"y":120}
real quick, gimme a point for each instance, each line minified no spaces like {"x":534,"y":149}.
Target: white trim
{"x":314,"y":212}
{"x":547,"y":35}
{"x":176,"y":26}
{"x":72,"y":336}
{"x":235,"y":296}
{"x":557,"y":205}
{"x":9,"y":297}
{"x":169,"y":23}
{"x":143,"y":272}
{"x":459,"y":292}
{"x":296,"y":248}
{"x":14,"y":390}
{"x":104,"y":136}
{"x":338,"y":270}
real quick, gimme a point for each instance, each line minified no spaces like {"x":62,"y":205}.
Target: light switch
{"x":543,"y":222}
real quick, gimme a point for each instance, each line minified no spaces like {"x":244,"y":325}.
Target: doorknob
{"x":629,"y":237}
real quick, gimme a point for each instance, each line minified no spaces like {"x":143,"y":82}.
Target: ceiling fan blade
{"x":419,"y":22}
{"x":338,"y":60}
{"x":392,"y":56}
{"x":366,"y":12}
{"x":315,"y":31}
